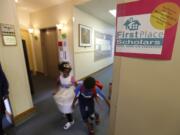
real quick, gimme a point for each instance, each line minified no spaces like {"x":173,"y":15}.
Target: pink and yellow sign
{"x":147,"y":28}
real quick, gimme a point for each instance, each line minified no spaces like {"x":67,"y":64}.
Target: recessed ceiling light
{"x":113,"y":12}
{"x":16,"y":1}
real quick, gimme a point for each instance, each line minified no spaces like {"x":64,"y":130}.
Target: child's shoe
{"x":68,"y":125}
{"x":91,"y":130}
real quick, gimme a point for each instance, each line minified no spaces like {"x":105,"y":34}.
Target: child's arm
{"x":77,"y":93}
{"x":107,"y":102}
{"x":74,"y":102}
{"x":73,"y":81}
{"x":58,"y":83}
{"x":99,"y":92}
{"x":97,"y":101}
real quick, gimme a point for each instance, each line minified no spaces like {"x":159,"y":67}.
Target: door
{"x":50,"y":51}
{"x":29,"y":49}
{"x":27,"y":66}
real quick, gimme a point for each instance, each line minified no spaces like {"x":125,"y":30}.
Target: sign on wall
{"x":8,"y":34}
{"x":147,"y":28}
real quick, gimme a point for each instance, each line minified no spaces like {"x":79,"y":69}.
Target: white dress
{"x":64,"y":97}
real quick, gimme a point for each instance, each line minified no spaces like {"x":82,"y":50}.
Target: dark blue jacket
{"x":3,"y":91}
{"x":3,"y":84}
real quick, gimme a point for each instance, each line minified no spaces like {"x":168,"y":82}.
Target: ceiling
{"x":35,"y":5}
{"x":100,"y":9}
{"x":97,"y":8}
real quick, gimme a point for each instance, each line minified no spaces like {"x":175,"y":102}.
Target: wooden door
{"x":50,"y":51}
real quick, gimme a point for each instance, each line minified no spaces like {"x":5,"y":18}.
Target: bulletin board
{"x":103,"y":45}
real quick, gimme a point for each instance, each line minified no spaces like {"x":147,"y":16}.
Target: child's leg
{"x":70,"y":121}
{"x":69,"y":117}
{"x":85,"y":117}
{"x":1,"y":126}
{"x":97,"y":118}
{"x":90,"y":127}
{"x":91,"y":116}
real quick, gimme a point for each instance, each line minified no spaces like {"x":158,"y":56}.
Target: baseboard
{"x":19,"y":119}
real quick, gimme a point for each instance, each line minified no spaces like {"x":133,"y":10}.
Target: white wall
{"x":63,"y":13}
{"x":25,"y":23}
{"x":49,"y":17}
{"x":13,"y":62}
{"x":84,"y":57}
{"x":23,"y":18}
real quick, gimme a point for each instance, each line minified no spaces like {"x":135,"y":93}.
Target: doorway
{"x":45,"y":83}
{"x":28,"y":55}
{"x":27,"y":66}
{"x":50,"y":51}
{"x":42,"y":82}
{"x":27,"y":43}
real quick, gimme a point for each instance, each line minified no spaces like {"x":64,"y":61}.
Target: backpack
{"x":99,"y":85}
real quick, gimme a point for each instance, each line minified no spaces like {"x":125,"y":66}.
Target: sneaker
{"x":68,"y":125}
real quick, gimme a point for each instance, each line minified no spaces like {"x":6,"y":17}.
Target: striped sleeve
{"x":77,"y":90}
{"x":100,"y":93}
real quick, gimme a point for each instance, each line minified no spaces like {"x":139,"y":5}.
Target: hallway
{"x":49,"y":121}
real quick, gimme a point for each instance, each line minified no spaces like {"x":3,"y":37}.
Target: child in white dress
{"x":65,"y":94}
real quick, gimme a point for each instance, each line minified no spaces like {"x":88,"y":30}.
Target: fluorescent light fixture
{"x":113,"y":12}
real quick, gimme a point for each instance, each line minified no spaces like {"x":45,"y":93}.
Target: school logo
{"x":132,"y":24}
{"x":137,"y":33}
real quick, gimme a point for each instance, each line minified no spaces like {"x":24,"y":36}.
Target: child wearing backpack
{"x":86,"y":93}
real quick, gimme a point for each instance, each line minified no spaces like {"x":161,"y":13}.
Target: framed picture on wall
{"x":85,"y":36}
